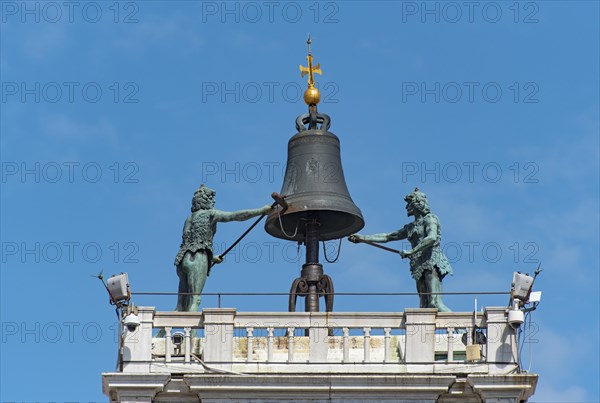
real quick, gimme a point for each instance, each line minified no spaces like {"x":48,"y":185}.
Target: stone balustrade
{"x":416,"y":341}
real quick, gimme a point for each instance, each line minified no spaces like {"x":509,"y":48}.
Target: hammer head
{"x":279,"y":199}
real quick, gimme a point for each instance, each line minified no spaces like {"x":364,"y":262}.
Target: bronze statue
{"x":428,"y":264}
{"x":195,"y":257}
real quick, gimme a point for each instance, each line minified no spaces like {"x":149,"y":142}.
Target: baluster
{"x":346,"y":345}
{"x":450,"y":336}
{"x":249,"y":331}
{"x":388,"y":351}
{"x":269,"y":344}
{"x":188,"y":345}
{"x":290,"y":344}
{"x":168,"y":344}
{"x":367,"y":345}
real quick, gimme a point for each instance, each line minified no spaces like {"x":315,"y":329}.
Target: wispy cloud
{"x":42,"y":41}
{"x":64,"y":128}
{"x":166,"y":30}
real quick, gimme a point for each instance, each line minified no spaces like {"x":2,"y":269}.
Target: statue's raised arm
{"x":380,"y":238}
{"x":240,"y":215}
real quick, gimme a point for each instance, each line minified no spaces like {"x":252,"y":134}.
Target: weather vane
{"x":311,"y":95}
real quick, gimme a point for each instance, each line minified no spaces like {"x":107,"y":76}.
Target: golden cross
{"x":310,"y":70}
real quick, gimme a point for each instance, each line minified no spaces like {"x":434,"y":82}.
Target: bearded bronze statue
{"x":195,"y":257}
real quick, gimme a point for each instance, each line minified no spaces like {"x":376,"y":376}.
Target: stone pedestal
{"x":218,"y":330}
{"x":137,"y":345}
{"x":501,"y":341}
{"x":420,"y":339}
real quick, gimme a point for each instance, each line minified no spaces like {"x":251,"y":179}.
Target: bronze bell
{"x":314,"y":186}
{"x":317,"y":204}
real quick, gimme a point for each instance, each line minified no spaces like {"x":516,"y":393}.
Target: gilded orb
{"x":312,"y":96}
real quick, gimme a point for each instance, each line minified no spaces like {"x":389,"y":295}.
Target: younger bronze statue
{"x":428,"y":264}
{"x":195,"y":256}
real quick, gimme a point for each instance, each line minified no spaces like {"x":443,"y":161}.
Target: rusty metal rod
{"x":278,"y":200}
{"x":379,"y":246}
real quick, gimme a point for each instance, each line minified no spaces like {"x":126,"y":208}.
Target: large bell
{"x":314,"y":188}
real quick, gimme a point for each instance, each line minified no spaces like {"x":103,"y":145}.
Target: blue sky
{"x":114,"y":113}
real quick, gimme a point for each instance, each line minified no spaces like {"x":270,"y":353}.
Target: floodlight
{"x":118,"y":288}
{"x":521,"y":286}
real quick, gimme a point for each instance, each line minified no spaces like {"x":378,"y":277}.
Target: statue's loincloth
{"x":430,"y":259}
